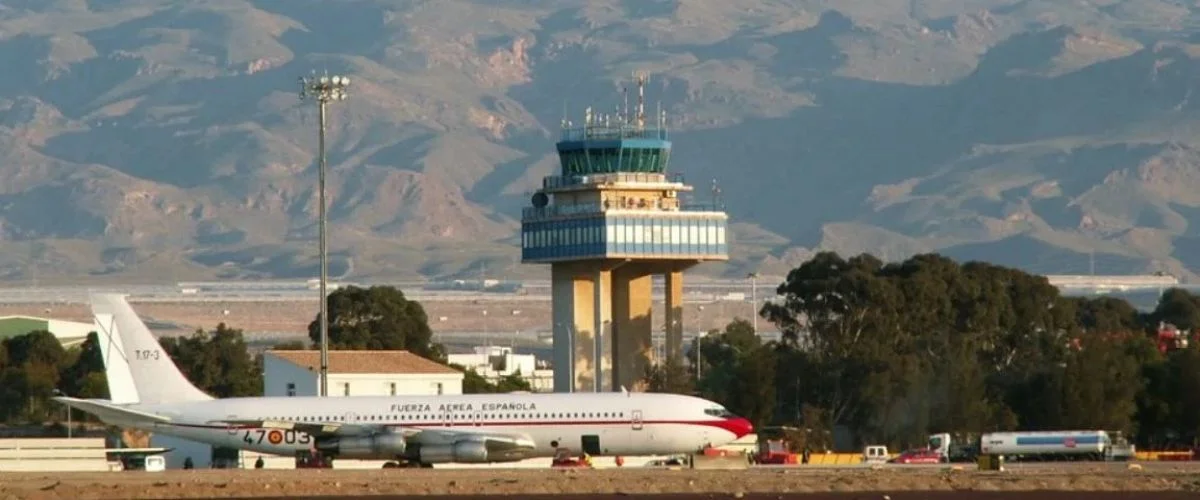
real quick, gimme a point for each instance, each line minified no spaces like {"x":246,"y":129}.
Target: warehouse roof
{"x":382,"y":361}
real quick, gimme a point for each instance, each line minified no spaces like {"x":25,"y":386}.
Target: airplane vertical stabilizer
{"x":121,"y":389}
{"x":154,"y":376}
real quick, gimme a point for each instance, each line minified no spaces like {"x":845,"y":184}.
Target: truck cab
{"x":954,"y":449}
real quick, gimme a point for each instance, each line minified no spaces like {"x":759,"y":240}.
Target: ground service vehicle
{"x":779,"y":446}
{"x":1035,"y":445}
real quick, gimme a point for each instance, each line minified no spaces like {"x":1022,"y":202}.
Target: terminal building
{"x":610,"y":220}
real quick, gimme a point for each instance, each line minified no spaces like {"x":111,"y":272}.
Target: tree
{"x":30,"y":377}
{"x":893,"y":352}
{"x":379,"y":317}
{"x":82,"y":375}
{"x":217,"y":362}
{"x":1100,"y":385}
{"x":670,"y":376}
{"x":474,"y":383}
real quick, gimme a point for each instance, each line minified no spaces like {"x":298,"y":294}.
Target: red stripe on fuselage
{"x":736,"y":426}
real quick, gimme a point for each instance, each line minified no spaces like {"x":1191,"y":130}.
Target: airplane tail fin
{"x":136,"y":366}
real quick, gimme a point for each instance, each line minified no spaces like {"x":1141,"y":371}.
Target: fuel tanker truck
{"x":1033,"y":445}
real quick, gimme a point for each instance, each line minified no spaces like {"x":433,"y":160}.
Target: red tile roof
{"x":396,"y":362}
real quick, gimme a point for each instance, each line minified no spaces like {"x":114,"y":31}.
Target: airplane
{"x":148,"y":392}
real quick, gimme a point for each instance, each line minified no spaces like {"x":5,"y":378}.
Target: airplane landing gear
{"x":406,"y":464}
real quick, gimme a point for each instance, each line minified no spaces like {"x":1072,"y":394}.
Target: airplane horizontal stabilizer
{"x":110,"y":413}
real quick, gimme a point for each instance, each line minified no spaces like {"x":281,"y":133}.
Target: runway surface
{"x":1097,"y":481}
{"x":900,"y":495}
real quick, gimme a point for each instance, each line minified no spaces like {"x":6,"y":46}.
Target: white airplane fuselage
{"x":621,"y":423}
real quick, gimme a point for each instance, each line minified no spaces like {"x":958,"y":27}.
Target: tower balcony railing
{"x":530,"y":213}
{"x":613,"y":132}
{"x":564,"y":181}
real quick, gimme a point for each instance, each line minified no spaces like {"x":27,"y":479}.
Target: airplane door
{"x":448,"y":419}
{"x":476,"y":418}
{"x":637,"y":420}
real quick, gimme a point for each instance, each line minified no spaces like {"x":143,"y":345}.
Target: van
{"x":875,"y":454}
{"x":156,"y":463}
{"x":150,"y":463}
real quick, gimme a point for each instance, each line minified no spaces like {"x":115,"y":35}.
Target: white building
{"x":68,"y":333}
{"x":495,"y":362}
{"x":357,"y":373}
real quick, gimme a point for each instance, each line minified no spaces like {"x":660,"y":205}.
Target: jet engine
{"x":378,"y":446}
{"x":461,"y":452}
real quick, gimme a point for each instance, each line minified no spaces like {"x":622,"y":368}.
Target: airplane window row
{"x":457,"y":416}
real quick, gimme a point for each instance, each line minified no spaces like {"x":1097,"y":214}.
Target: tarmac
{"x":900,"y":495}
{"x":1100,"y":482}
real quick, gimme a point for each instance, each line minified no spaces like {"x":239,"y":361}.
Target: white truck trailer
{"x":1035,"y":445}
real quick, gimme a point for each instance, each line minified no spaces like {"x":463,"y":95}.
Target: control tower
{"x":606,"y":224}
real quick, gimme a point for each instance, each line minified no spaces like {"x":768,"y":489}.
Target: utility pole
{"x":323,"y":89}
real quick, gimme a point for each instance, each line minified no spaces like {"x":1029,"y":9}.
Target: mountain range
{"x":164,"y":140}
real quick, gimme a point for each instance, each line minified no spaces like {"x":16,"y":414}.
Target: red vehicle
{"x":918,"y":456}
{"x":563,"y":458}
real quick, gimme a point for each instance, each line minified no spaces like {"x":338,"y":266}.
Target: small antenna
{"x":625,"y":96}
{"x":564,"y":115}
{"x":641,"y":109}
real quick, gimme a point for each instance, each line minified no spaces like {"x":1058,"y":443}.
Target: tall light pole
{"x":323,"y":89}
{"x":754,"y":300}
{"x":699,"y":340}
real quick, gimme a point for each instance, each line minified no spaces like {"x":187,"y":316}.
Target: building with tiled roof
{"x":357,"y":373}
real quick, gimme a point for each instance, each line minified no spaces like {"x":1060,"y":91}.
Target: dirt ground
{"x":529,"y":483}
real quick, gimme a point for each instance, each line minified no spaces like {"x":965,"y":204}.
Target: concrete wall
{"x":53,"y":454}
{"x":278,"y":373}
{"x":366,"y":384}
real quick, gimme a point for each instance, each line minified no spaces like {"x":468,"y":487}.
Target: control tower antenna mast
{"x":641,"y":107}
{"x":625,"y":114}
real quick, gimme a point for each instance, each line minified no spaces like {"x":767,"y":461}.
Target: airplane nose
{"x":741,"y":427}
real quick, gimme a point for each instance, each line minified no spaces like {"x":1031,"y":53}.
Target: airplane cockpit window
{"x":718,"y":411}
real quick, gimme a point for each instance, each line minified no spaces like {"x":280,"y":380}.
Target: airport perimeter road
{"x":898,"y":495}
{"x":525,"y":483}
{"x":1015,"y":467}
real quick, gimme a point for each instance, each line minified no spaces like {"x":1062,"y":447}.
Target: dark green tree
{"x":30,"y":377}
{"x":82,"y":374}
{"x":670,"y":376}
{"x":379,"y":317}
{"x":1177,"y":307}
{"x":1101,"y":383}
{"x":217,"y":362}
